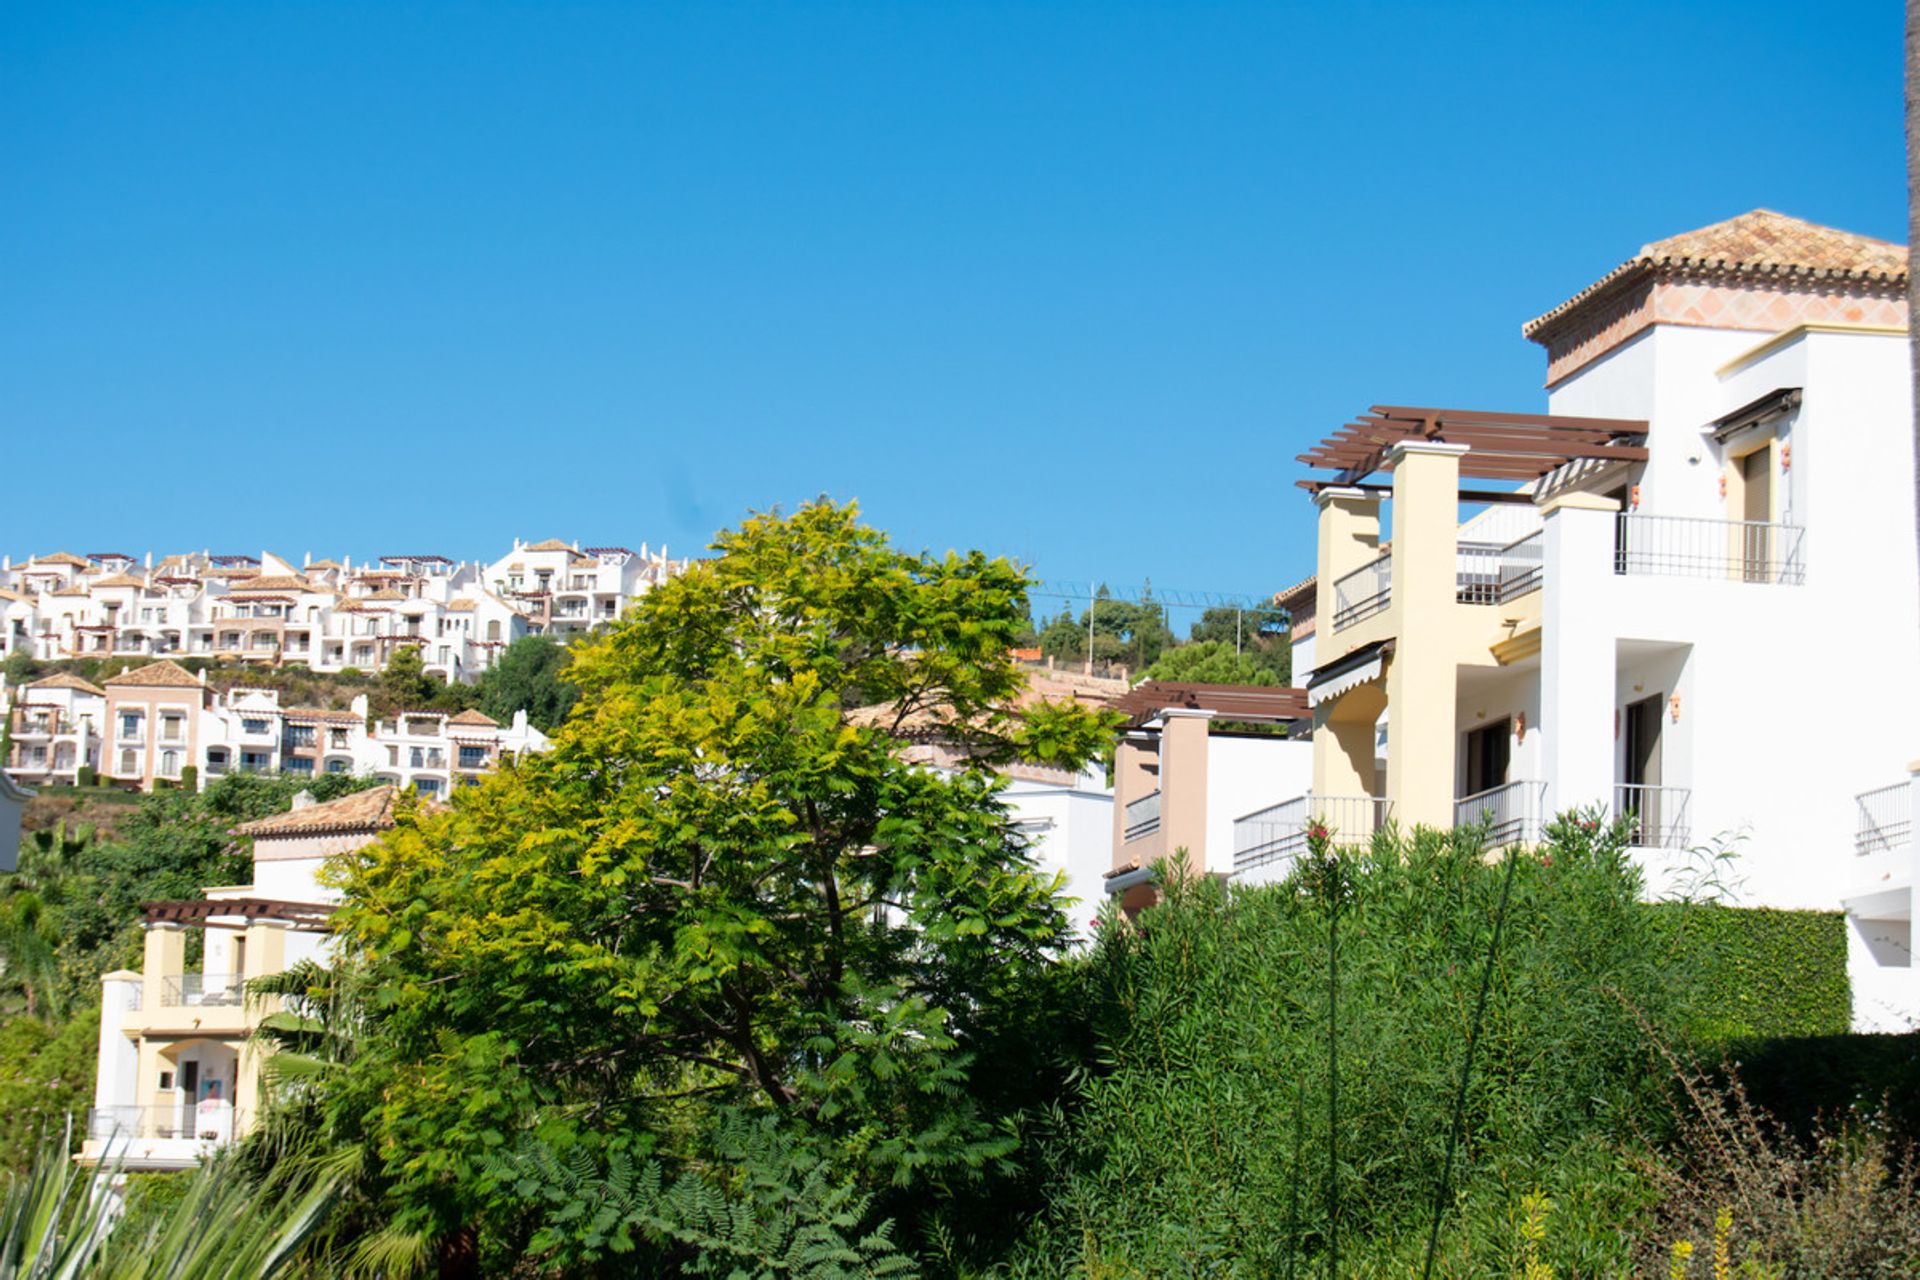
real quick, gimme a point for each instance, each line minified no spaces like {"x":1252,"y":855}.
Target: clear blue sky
{"x":1070,"y":282}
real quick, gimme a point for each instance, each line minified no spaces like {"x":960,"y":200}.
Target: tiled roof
{"x":67,"y":680}
{"x":1304,"y":587}
{"x":276,"y":582}
{"x":388,"y":594}
{"x":462,"y":606}
{"x":14,"y":595}
{"x":551,"y":544}
{"x":316,"y":713}
{"x":370,"y":810}
{"x":1762,"y":244}
{"x":474,"y":718}
{"x":120,"y":580}
{"x":70,"y":592}
{"x":156,"y":675}
{"x":324,"y":564}
{"x":62,"y":557}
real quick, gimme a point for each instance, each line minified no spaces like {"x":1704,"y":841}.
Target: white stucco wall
{"x":1070,"y":830}
{"x":1245,"y":774}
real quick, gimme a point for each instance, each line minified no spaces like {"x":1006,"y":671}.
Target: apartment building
{"x":326,"y":615}
{"x":179,"y":1073}
{"x":150,"y":723}
{"x":1600,"y":605}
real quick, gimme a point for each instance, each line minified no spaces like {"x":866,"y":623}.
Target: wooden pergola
{"x":1512,"y":447}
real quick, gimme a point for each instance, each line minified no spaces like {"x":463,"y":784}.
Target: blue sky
{"x":1069,"y":282}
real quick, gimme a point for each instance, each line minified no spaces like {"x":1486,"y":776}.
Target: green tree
{"x":722,"y":900}
{"x":530,"y":677}
{"x":1210,"y":662}
{"x":31,"y":924}
{"x":1261,"y":634}
{"x":1125,"y":631}
{"x":406,"y":685}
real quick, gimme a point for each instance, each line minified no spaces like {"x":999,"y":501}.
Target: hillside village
{"x":1513,"y":615}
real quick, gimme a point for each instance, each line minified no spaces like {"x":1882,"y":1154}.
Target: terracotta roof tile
{"x":462,"y":605}
{"x":63,"y":557}
{"x":120,"y":580}
{"x":156,"y":675}
{"x":276,"y":582}
{"x":474,"y":718}
{"x":67,"y":680}
{"x":1762,"y":244}
{"x":370,"y":810}
{"x":551,"y":544}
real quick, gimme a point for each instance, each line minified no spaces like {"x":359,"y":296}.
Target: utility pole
{"x":1093,"y":602}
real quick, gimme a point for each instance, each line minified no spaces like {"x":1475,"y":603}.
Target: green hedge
{"x":1764,"y":973}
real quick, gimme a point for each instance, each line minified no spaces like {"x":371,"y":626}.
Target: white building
{"x":1687,"y":594}
{"x":325,"y":615}
{"x":150,"y":723}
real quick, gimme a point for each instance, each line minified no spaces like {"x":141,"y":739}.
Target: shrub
{"x":87,"y":776}
{"x":1775,"y":972}
{"x":1212,"y":1014}
{"x":190,"y":778}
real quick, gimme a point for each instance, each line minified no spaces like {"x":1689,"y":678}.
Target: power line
{"x":1173,"y":598}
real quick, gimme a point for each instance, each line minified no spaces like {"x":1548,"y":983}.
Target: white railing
{"x":210,"y":1120}
{"x":1885,"y":819}
{"x":1656,"y":816}
{"x":1513,"y":813}
{"x":1687,"y":547}
{"x":1278,"y":833}
{"x":1494,"y":573}
{"x":1363,"y":593}
{"x":193,"y":989}
{"x":1143,"y":816}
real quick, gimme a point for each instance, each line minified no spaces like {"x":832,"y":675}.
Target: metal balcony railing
{"x":1278,"y":833}
{"x":1494,"y":573}
{"x":1364,"y":592}
{"x":1688,"y":547}
{"x":1885,"y":819}
{"x":1656,"y":816}
{"x":206,"y":1121}
{"x":1514,"y":812}
{"x":191,"y":990}
{"x":1143,"y":817}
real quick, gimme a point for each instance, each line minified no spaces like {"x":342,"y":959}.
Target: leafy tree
{"x":406,"y":685}
{"x":1122,"y":631}
{"x":31,"y":928}
{"x":530,"y":677}
{"x":722,"y":900}
{"x":46,"y":1075}
{"x":1210,"y":662}
{"x":1261,"y":634}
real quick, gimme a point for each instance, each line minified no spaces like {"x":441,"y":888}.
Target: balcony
{"x":1364,"y":592}
{"x":209,"y":1121}
{"x":1278,"y":833}
{"x":1724,"y":550}
{"x":195,"y":990}
{"x":1656,"y":816}
{"x":1494,"y":573}
{"x":1143,"y":817}
{"x":1884,"y":819}
{"x":1512,"y":813}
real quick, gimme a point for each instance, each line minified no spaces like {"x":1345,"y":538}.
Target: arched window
{"x":170,"y":764}
{"x":493,"y":629}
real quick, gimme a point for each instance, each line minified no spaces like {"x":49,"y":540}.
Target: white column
{"x":114,"y":1084}
{"x":1577,"y":651}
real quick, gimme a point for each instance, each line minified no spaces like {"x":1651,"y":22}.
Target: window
{"x":170,"y":727}
{"x":418,"y":759}
{"x":129,"y":764}
{"x":336,"y":737}
{"x":132,"y":724}
{"x":297,"y":764}
{"x":337,"y":765}
{"x":473,"y":757}
{"x":427,"y":786}
{"x":253,"y":726}
{"x":300,"y":735}
{"x":169,"y":764}
{"x":255,"y":761}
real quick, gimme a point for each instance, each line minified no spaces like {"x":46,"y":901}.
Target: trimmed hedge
{"x":1776,"y":973}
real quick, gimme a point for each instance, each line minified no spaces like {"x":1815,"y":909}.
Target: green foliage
{"x":1210,"y":662}
{"x":190,"y":778}
{"x":1122,"y":631}
{"x":722,"y":894}
{"x":86,"y":776}
{"x":406,"y":685}
{"x":1211,"y":1017}
{"x":56,"y":1222}
{"x":1776,"y":972}
{"x":1261,"y":635}
{"x":530,"y":676}
{"x":46,"y":1075}
{"x":777,"y":1212}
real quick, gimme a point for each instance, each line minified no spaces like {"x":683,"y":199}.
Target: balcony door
{"x":1756,"y":508}
{"x":1488,"y":753}
{"x":1643,"y":765}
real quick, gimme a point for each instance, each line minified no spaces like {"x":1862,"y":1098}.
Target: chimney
{"x":301,"y":800}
